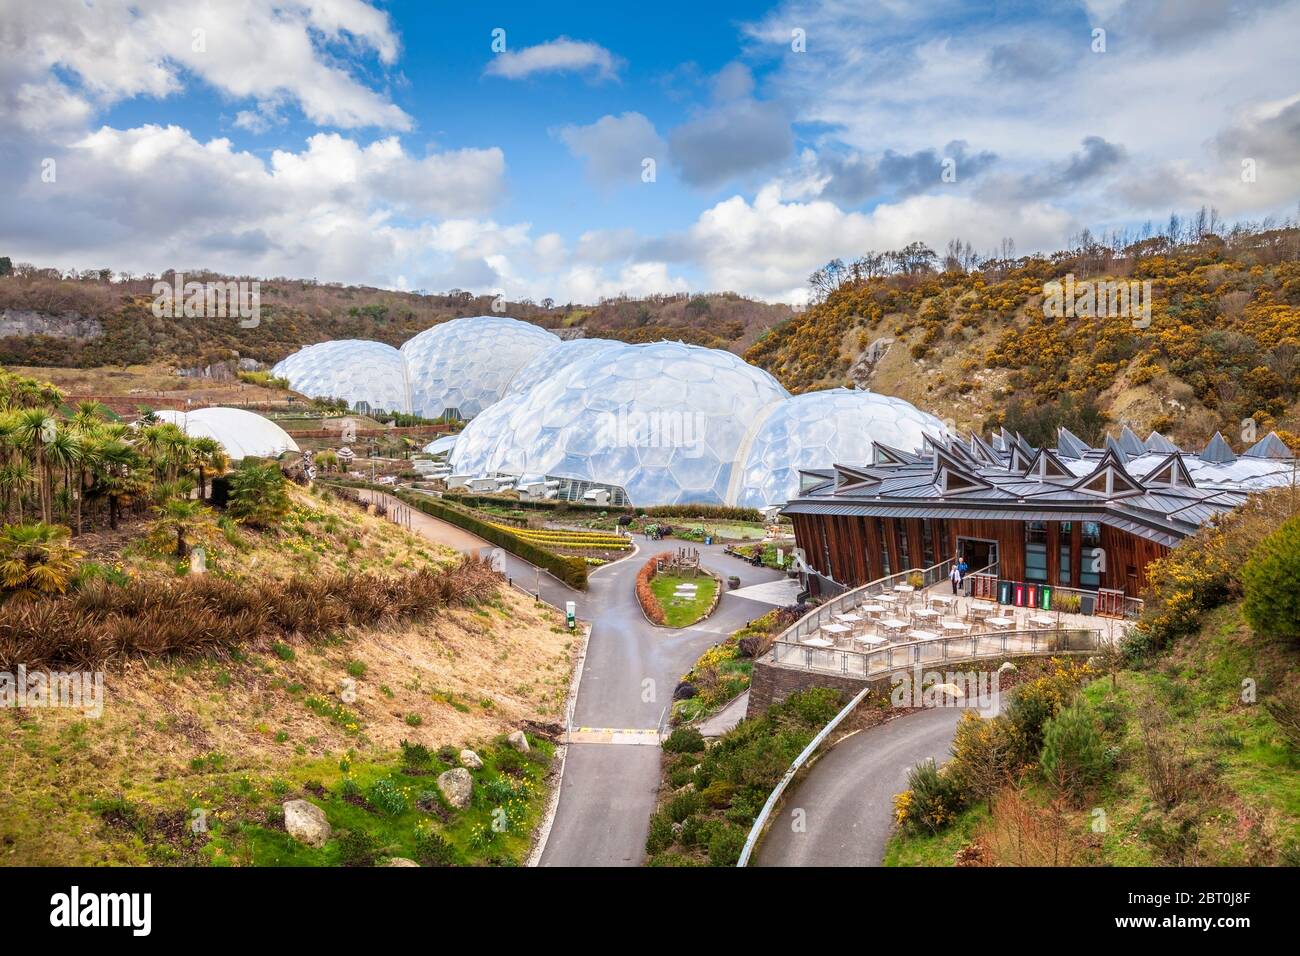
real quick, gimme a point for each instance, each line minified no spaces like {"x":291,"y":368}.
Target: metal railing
{"x":851,"y":662}
{"x":822,"y":614}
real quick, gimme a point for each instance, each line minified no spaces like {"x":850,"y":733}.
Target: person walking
{"x":955,"y":577}
{"x":962,"y":568}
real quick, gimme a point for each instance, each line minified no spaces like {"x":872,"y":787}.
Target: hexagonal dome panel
{"x":820,"y":429}
{"x":555,"y":358}
{"x":353,"y":369}
{"x":465,"y":364}
{"x":663,"y":421}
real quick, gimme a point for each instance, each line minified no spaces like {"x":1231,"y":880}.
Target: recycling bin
{"x":1004,"y":592}
{"x":1045,"y":597}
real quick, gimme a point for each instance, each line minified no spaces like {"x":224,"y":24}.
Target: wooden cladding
{"x":853,"y":550}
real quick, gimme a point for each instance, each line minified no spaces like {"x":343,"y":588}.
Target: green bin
{"x":1045,"y":597}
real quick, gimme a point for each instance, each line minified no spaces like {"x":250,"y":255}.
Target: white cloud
{"x":258,"y":49}
{"x":614,"y":147}
{"x":560,"y":55}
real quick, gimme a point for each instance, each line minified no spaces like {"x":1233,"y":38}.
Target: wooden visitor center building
{"x":1079,"y":518}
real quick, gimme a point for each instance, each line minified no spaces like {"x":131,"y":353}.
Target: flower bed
{"x":645,"y":594}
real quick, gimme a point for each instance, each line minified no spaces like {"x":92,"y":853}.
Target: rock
{"x":677,"y":829}
{"x":684,"y":691}
{"x":1007,"y":668}
{"x":470,"y":759}
{"x":518,"y":741}
{"x":306,"y":822}
{"x":400,"y":861}
{"x":457,"y":787}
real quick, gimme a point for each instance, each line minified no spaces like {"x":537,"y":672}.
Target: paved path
{"x":725,"y":719}
{"x":628,"y":680}
{"x":627,"y":684}
{"x":848,"y":796}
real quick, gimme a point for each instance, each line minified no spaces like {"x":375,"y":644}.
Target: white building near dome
{"x":357,"y":370}
{"x":243,"y":434}
{"x":461,"y":367}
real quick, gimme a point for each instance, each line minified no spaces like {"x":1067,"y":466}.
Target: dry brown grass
{"x":173,"y":728}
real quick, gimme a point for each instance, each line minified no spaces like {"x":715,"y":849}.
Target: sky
{"x":573,"y":150}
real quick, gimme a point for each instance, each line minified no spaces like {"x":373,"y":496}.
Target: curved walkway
{"x":631,"y":669}
{"x":609,"y":789}
{"x":847,"y":798}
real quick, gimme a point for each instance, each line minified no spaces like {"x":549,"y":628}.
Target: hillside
{"x":1182,"y":750}
{"x":973,"y":346}
{"x":94,"y":318}
{"x":195,"y":752}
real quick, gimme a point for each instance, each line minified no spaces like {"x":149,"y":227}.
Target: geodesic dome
{"x":820,"y":429}
{"x":662,"y":421}
{"x":240,"y":432}
{"x":464,"y":365}
{"x":354,"y":369}
{"x":555,"y":359}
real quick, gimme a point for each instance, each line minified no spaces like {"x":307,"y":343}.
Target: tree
{"x":6,"y":266}
{"x":1271,"y":580}
{"x":36,"y":559}
{"x":1074,"y":756}
{"x":185,"y":519}
{"x":207,"y":455}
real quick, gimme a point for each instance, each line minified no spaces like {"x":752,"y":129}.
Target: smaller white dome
{"x":465,"y":365}
{"x":357,"y":370}
{"x":820,"y":429}
{"x":243,"y":434}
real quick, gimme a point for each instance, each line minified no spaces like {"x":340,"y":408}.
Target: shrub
{"x":660,"y":836}
{"x":431,"y":849}
{"x":357,"y":848}
{"x":683,"y":805}
{"x":725,"y":845}
{"x":684,"y":740}
{"x":1037,"y":700}
{"x":387,"y":797}
{"x":1271,"y":580}
{"x":718,"y":794}
{"x":930,"y":802}
{"x":415,"y":758}
{"x":982,"y":754}
{"x":258,"y":495}
{"x":1073,"y":757}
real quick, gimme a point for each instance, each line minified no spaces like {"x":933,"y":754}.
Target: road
{"x":848,"y":796}
{"x":627,"y":683}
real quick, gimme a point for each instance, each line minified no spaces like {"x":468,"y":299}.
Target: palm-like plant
{"x":187,"y":520}
{"x":208,"y":456}
{"x":36,"y":428}
{"x":36,"y":559}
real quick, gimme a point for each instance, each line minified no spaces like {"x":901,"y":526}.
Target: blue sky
{"x":387,"y":143}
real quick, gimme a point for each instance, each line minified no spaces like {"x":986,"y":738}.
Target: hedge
{"x":571,"y":570}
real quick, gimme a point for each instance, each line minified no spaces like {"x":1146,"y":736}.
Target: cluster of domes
{"x":454,"y":369}
{"x":658,"y":423}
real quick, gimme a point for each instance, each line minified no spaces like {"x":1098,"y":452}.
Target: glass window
{"x":884,"y":548}
{"x":904,"y":550}
{"x":1036,"y":551}
{"x":1092,"y":560}
{"x":927,"y":542}
{"x":1067,"y":532}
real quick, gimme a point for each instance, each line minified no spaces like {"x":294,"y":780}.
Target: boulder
{"x":518,"y":741}
{"x":1007,"y":668}
{"x":306,"y":823}
{"x":400,"y":861}
{"x":684,"y":691}
{"x":457,"y":786}
{"x":470,"y":759}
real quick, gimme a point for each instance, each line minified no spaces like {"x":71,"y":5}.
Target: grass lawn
{"x":682,"y":612}
{"x":936,"y":849}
